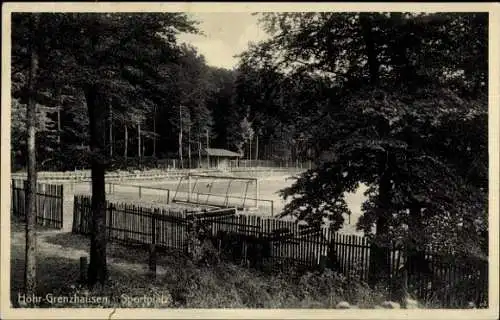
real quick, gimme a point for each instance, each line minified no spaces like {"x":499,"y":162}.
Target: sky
{"x":225,"y":35}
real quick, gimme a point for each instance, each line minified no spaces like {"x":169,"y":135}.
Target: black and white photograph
{"x":240,"y":159}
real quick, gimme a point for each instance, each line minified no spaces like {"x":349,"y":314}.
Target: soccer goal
{"x":220,"y":191}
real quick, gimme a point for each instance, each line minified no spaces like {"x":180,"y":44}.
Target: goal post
{"x":217,"y":190}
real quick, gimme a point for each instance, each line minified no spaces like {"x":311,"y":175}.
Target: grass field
{"x":269,"y":190}
{"x":269,"y":187}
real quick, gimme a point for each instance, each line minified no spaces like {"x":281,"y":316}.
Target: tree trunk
{"x":208,"y":156}
{"x":373,"y":64}
{"x":199,"y":149}
{"x":400,"y":291}
{"x":378,"y":270}
{"x":30,"y":266}
{"x":139,"y":152}
{"x":154,"y":131}
{"x":189,"y":146}
{"x":257,"y":148}
{"x":110,"y":130}
{"x":380,"y":257}
{"x":414,"y":253}
{"x":379,"y":253}
{"x":98,"y":271}
{"x":403,"y":68}
{"x":250,"y":149}
{"x":59,"y":129}
{"x":180,"y":138}
{"x":125,"y":151}
{"x":59,"y":145}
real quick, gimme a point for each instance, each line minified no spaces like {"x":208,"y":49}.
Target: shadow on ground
{"x":58,"y":270}
{"x":54,"y":274}
{"x":119,"y":253}
{"x":58,"y":277}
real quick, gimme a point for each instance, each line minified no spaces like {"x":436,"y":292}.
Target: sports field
{"x":268,"y":190}
{"x":153,"y":193}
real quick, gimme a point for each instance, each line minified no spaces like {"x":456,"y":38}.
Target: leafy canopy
{"x":405,"y":115}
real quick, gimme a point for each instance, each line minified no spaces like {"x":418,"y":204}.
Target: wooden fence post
{"x":404,"y":287}
{"x":153,"y":227}
{"x":25,"y":188}
{"x":83,"y":270}
{"x":41,"y":200}
{"x":61,"y":207}
{"x":152,"y":247}
{"x":88,"y":215}
{"x":110,"y":221}
{"x":76,"y":216}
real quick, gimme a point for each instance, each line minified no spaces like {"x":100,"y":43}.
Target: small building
{"x":219,"y":158}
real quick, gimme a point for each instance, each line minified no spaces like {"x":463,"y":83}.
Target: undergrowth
{"x":186,"y":285}
{"x":180,"y":283}
{"x":230,"y":286}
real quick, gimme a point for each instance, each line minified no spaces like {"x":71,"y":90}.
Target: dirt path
{"x":68,"y":202}
{"x":58,"y":256}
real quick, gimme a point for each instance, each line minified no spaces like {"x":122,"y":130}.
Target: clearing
{"x":179,"y":283}
{"x":269,"y":187}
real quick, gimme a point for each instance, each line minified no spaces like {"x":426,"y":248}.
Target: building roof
{"x":215,"y":152}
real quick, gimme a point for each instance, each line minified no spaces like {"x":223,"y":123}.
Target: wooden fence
{"x":49,"y":203}
{"x":139,"y":225}
{"x":264,"y":242}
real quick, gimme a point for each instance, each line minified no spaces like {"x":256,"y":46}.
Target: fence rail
{"x":264,"y":207}
{"x":195,"y":163}
{"x":85,"y":175}
{"x":164,"y":195}
{"x":170,"y":168}
{"x":157,"y":194}
{"x":49,"y":203}
{"x":264,"y":242}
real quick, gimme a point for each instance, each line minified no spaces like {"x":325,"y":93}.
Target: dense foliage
{"x":394,"y":101}
{"x":404,"y":113}
{"x":154,"y":89}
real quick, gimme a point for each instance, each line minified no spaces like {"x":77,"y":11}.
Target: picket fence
{"x":49,"y":203}
{"x":453,"y":282}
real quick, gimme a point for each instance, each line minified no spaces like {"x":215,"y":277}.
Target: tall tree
{"x":107,"y":56}
{"x":31,"y":190}
{"x":181,"y":130}
{"x":226,"y":113}
{"x":247,"y":134}
{"x":380,"y":125}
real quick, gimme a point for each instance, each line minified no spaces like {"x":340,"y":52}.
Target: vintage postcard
{"x":250,"y":160}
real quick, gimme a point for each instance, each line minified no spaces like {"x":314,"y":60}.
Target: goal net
{"x":220,"y":191}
